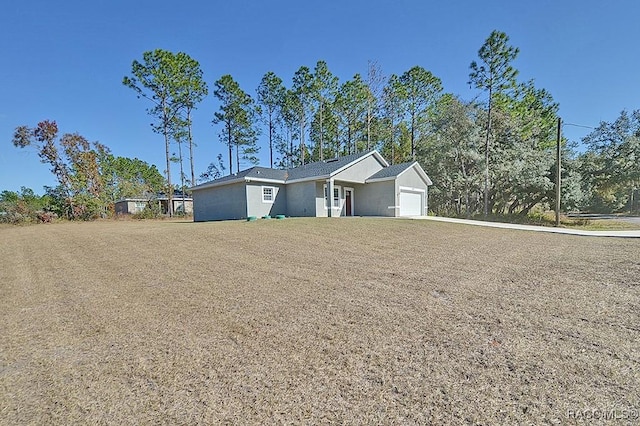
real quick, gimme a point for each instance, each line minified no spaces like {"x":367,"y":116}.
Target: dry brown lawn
{"x":315,"y":321}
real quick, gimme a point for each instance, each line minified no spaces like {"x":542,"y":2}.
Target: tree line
{"x":90,"y":178}
{"x":493,"y":155}
{"x":490,"y":156}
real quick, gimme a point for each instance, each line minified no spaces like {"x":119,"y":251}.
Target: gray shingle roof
{"x":323,"y":168}
{"x":266,"y":173}
{"x":254,"y":172}
{"x":308,"y":171}
{"x":391,"y":171}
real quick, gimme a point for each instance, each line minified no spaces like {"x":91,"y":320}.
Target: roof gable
{"x":395,"y":170}
{"x":330,"y":167}
{"x":391,"y":171}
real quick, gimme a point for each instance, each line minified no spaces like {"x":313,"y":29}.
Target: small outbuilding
{"x":181,"y":204}
{"x":362,"y":184}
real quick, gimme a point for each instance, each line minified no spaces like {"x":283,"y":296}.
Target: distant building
{"x":181,"y":204}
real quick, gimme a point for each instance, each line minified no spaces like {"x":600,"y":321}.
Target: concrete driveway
{"x":534,"y":228}
{"x":635,"y":220}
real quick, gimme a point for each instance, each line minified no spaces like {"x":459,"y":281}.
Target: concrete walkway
{"x":622,"y":234}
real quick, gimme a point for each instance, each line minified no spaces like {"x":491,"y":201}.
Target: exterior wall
{"x":301,"y":199}
{"x":122,"y":207}
{"x":360,"y":171}
{"x":257,"y":207}
{"x":220,"y":203}
{"x":321,"y":209}
{"x":411,"y":179}
{"x":375,"y":199}
{"x":188,"y":205}
{"x":177,"y":204}
{"x":356,"y":190}
{"x":128,"y":206}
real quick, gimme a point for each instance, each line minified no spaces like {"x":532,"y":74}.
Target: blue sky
{"x":65,"y":60}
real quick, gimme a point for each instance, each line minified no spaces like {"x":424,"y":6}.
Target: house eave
{"x":375,"y":153}
{"x":308,"y":179}
{"x":421,"y":172}
{"x":415,"y":166}
{"x":122,"y":200}
{"x":381,"y":179}
{"x":263,"y":180}
{"x":214,"y":184}
{"x":133,"y":200}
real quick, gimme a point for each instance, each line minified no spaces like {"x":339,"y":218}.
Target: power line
{"x":578,"y":125}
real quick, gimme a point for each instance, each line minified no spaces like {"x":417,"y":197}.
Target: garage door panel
{"x":410,"y":203}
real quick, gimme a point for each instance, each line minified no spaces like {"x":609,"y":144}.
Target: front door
{"x":348,"y":199}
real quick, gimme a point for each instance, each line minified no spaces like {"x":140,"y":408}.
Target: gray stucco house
{"x":361,"y":184}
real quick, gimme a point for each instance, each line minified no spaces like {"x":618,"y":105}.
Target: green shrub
{"x":151,"y":211}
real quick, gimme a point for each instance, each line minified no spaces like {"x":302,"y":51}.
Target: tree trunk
{"x":190,"y":136}
{"x":491,"y":204}
{"x":301,"y":123}
{"x":413,"y":142}
{"x":181,"y":174}
{"x":467,"y":200}
{"x":393,"y":142}
{"x":527,"y":208}
{"x":230,"y":144}
{"x":237,"y":157}
{"x":349,"y":139}
{"x":369,"y":126}
{"x":320,"y":153}
{"x":486,"y":159}
{"x":170,"y":194}
{"x":463,"y":169}
{"x":514,"y":206}
{"x":290,"y":156}
{"x":271,"y":141}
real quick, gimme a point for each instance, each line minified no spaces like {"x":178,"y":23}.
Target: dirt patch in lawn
{"x":315,"y":321}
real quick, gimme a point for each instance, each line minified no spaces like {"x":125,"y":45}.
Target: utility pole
{"x":558,"y":172}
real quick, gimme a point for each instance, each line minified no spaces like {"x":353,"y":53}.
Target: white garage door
{"x":410,"y":203}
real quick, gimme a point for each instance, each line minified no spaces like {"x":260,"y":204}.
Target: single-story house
{"x":137,"y":205}
{"x":362,"y":184}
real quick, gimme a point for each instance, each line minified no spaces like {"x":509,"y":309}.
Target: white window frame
{"x":273,"y":194}
{"x":336,"y":200}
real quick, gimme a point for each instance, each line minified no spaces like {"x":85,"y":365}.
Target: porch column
{"x":330,"y":197}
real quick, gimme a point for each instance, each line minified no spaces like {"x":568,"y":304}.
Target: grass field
{"x":315,"y":321}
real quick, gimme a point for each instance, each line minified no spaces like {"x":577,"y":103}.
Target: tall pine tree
{"x":237,"y":115}
{"x":494,"y":74}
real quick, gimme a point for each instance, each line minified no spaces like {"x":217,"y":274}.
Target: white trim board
{"x":410,"y":189}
